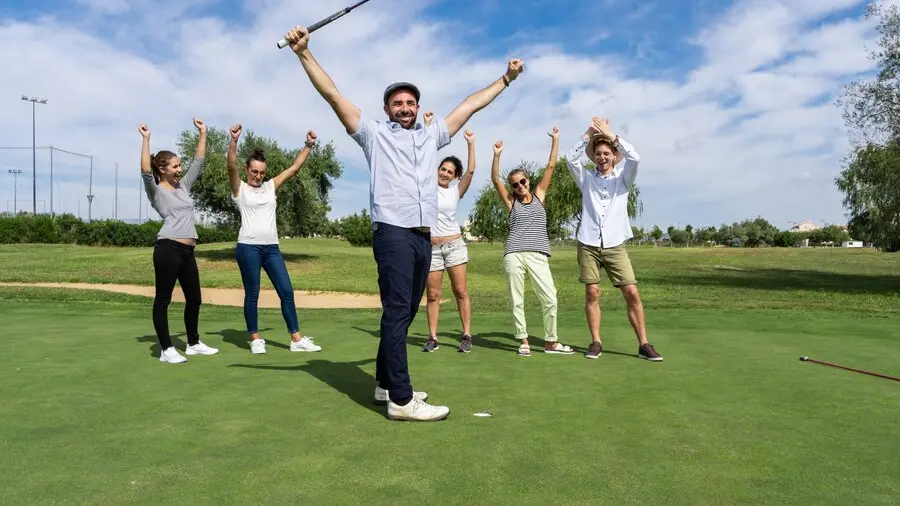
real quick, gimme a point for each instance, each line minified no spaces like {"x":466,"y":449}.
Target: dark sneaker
{"x":465,"y":346}
{"x":647,"y":352}
{"x":594,"y":350}
{"x":431,"y":345}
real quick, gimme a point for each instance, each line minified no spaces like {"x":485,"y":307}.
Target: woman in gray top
{"x":528,"y":247}
{"x":173,"y":255}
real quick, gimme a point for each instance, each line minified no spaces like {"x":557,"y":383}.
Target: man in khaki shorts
{"x":605,"y":227}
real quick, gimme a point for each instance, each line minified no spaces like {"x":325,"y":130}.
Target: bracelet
{"x":506,"y":80}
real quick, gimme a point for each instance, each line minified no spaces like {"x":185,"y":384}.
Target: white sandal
{"x":524,"y":350}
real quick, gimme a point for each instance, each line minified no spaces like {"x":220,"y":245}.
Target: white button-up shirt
{"x":403,"y":187}
{"x":604,"y":199}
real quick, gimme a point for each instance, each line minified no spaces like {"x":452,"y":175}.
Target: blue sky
{"x":728,"y":103}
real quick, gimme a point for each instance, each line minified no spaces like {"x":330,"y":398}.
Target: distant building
{"x":852,"y":244}
{"x":804,"y":226}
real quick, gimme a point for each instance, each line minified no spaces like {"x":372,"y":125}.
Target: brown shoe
{"x":647,"y":352}
{"x":594,"y":350}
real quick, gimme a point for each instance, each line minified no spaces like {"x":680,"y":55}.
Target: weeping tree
{"x":870,"y":180}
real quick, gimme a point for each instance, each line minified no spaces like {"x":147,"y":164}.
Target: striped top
{"x":527,"y":228}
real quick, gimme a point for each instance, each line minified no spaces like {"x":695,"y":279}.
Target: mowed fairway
{"x":89,"y":416}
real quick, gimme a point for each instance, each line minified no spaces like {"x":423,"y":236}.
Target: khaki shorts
{"x":448,"y":255}
{"x":592,"y":259}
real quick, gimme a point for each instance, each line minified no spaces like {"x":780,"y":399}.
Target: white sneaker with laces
{"x":381,"y":396}
{"x":258,"y":346}
{"x":200,"y":349}
{"x":304,"y":344}
{"x":417,"y":411}
{"x":171,"y":356}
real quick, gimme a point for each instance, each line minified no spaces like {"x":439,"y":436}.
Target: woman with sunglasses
{"x":528,"y":248}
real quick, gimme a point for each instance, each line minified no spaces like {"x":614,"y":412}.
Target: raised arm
{"x":234,"y":176}
{"x":288,"y":173}
{"x":495,"y":176}
{"x":480,"y":99}
{"x":196,"y":167}
{"x":466,"y":179}
{"x":573,"y":158}
{"x":541,"y":190}
{"x":625,"y":150}
{"x":348,"y":113}
{"x":145,"y":149}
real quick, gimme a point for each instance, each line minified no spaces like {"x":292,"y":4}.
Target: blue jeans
{"x":403,"y":257}
{"x":253,"y":257}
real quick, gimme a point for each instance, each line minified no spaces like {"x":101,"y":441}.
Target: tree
{"x":679,"y":237}
{"x":656,"y":233}
{"x":690,"y":232}
{"x":871,"y":178}
{"x":302,"y":201}
{"x":357,"y":229}
{"x":489,"y":218}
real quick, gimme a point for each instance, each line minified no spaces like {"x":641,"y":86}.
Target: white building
{"x":804,"y":226}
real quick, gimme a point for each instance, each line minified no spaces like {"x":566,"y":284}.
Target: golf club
{"x":319,"y":24}
{"x":807,"y":359}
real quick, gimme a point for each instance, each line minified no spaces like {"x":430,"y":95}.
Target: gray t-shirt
{"x":175,"y":206}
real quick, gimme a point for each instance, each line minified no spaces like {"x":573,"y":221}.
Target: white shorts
{"x":451,"y":254}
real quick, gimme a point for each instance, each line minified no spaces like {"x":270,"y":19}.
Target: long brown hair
{"x":159,"y":161}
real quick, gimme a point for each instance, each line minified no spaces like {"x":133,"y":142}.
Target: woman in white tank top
{"x":449,"y":252}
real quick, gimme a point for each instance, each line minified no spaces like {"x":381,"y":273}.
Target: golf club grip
{"x":315,"y":26}
{"x":319,"y":24}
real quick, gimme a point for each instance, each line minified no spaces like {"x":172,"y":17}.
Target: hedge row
{"x":68,"y":229}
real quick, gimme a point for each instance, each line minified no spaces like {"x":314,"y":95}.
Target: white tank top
{"x":445,"y":224}
{"x":257,"y":206}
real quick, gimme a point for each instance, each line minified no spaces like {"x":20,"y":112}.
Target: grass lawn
{"x":89,"y":415}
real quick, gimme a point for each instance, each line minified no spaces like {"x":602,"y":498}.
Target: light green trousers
{"x":536,"y":265}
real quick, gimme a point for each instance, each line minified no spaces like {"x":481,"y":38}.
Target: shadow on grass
{"x":228,"y":254}
{"x":447,"y":338}
{"x":241,"y":339}
{"x":155,"y":348}
{"x":346,"y":377}
{"x":791,"y":279}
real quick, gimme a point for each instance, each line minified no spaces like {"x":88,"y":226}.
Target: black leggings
{"x":173,"y":261}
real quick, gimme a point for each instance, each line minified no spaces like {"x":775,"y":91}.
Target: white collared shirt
{"x":604,"y":199}
{"x":403,"y":187}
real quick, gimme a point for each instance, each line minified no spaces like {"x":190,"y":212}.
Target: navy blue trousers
{"x":403,"y":257}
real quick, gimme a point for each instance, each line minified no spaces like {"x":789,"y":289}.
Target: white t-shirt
{"x":445,"y":224}
{"x":257,"y":206}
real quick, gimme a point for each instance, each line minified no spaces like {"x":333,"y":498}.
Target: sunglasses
{"x":521,"y":182}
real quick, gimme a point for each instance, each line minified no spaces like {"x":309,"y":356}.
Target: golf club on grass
{"x":319,"y":24}
{"x":807,"y":359}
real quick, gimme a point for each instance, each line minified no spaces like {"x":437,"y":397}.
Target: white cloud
{"x":769,"y":57}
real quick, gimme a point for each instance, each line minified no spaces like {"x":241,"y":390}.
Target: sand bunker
{"x":235,"y":296}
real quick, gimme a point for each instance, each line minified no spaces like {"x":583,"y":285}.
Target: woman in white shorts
{"x":449,"y":252}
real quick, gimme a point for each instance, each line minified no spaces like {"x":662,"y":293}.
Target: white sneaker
{"x":381,"y":396}
{"x":304,"y":344}
{"x":417,"y":411}
{"x":171,"y":356}
{"x":200,"y":349}
{"x":257,"y":346}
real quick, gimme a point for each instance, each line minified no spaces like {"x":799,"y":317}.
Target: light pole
{"x":34,"y":101}
{"x":15,"y":173}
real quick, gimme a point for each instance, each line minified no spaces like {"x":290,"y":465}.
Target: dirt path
{"x":235,"y":296}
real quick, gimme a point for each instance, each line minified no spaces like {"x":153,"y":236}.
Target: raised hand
{"x":310,"y":138}
{"x":554,"y":133}
{"x":298,"y":38}
{"x":602,"y":125}
{"x":498,"y":147}
{"x":236,"y":130}
{"x":200,"y":125}
{"x":145,"y":132}
{"x":470,"y":136}
{"x":514,"y":68}
{"x":428,"y":117}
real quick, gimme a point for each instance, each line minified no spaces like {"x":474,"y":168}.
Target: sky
{"x":730,"y":105}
